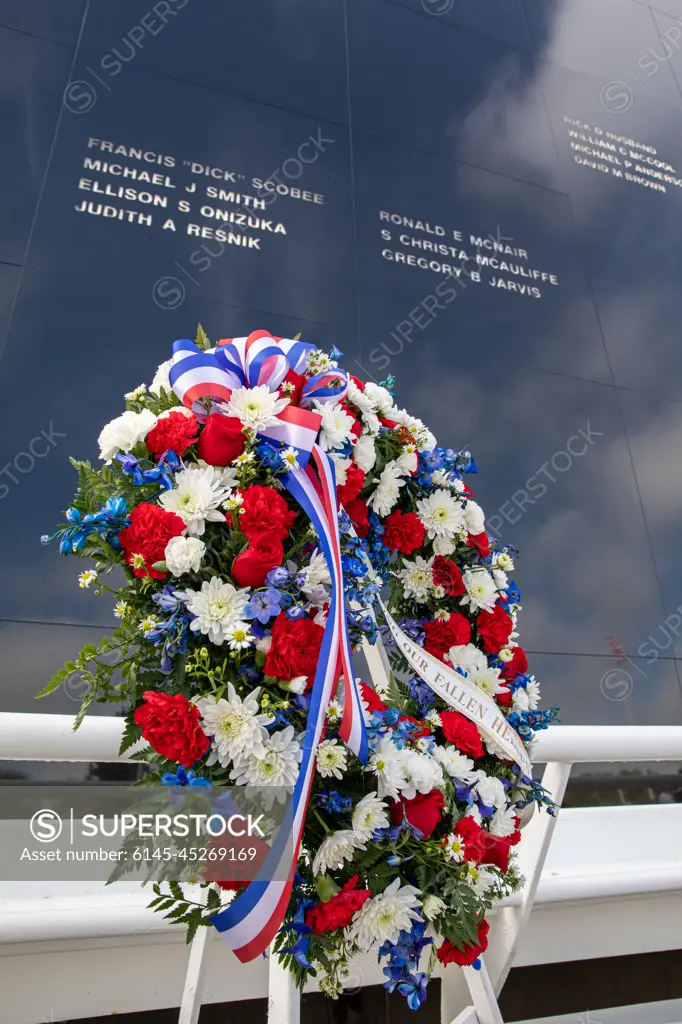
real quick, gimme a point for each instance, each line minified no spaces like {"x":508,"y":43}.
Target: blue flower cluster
{"x":528,"y":722}
{"x":168,"y":464}
{"x":172,"y":633}
{"x":401,"y":971}
{"x":107,"y":523}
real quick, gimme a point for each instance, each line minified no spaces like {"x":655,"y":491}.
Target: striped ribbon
{"x":250,"y":923}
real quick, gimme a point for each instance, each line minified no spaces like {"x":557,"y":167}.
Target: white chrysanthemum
{"x":422,"y":773}
{"x":196,"y":498}
{"x":123,"y":433}
{"x":386,"y":763}
{"x":533,"y":693}
{"x":336,"y":427}
{"x":480,"y":589}
{"x":456,"y":764}
{"x":383,"y":917}
{"x":439,"y":478}
{"x":335,"y":849}
{"x":433,"y":718}
{"x":417,"y":578}
{"x":503,"y":821}
{"x":184,"y":554}
{"x":443,"y":545}
{"x":441,"y":514}
{"x":277,"y":767}
{"x":148,"y":624}
{"x":364,"y":453}
{"x":331,"y":759}
{"x":504,"y":561}
{"x":340,"y":469}
{"x":387,"y":492}
{"x":235,"y":724}
{"x":367,"y":407}
{"x":423,"y":438}
{"x":369,"y":814}
{"x":500,"y":579}
{"x":432,"y":907}
{"x":468,"y":658}
{"x":120,"y":609}
{"x":315,"y":572}
{"x":489,"y":790}
{"x":474,"y":518}
{"x":381,"y":398}
{"x":407,"y":461}
{"x":334,"y":711}
{"x":216,"y":607}
{"x":139,"y":392}
{"x":257,"y":407}
{"x":161,"y":379}
{"x":87,"y":578}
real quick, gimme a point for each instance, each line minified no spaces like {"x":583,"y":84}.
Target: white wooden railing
{"x":34,"y":737}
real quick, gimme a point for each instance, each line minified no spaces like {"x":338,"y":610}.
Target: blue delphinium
{"x":107,"y":523}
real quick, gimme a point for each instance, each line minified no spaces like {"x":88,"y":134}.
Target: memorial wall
{"x":481,"y":197}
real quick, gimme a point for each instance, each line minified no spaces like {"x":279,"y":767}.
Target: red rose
{"x":463,"y":733}
{"x":250,"y":567}
{"x":497,"y":850}
{"x":221,"y":439}
{"x":440,"y":636}
{"x":495,"y":628}
{"x":295,"y":649}
{"x":174,"y":432}
{"x":480,"y":542}
{"x":171,"y":726}
{"x":449,"y":954}
{"x":474,"y":837}
{"x":338,"y":911}
{"x":355,"y":481}
{"x":371,"y":698}
{"x":265,"y":511}
{"x":359,"y":516}
{"x":517,"y":666}
{"x":403,"y":532}
{"x":447,"y":575}
{"x":150,"y":530}
{"x":423,"y":812}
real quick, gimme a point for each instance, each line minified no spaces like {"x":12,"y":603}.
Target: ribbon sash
{"x":461,"y":695}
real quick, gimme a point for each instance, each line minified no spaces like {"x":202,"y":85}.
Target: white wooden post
{"x":190,"y":1007}
{"x":483,"y":995}
{"x":284,"y":998}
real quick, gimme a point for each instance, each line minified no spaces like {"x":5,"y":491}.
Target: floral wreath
{"x":272,"y":513}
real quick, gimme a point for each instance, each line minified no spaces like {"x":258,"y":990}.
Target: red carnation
{"x":360,"y":384}
{"x":265,"y":511}
{"x":222,"y":439}
{"x":495,"y":628}
{"x":440,"y":636}
{"x":264,"y":552}
{"x":171,"y":726}
{"x":371,"y":698}
{"x":174,"y":432}
{"x":355,"y":481}
{"x":150,"y":530}
{"x":462,"y":732}
{"x":423,"y":812}
{"x":447,"y":575}
{"x":295,"y":648}
{"x":480,"y":542}
{"x":517,"y":666}
{"x":338,"y":911}
{"x":449,"y":954}
{"x":403,"y":532}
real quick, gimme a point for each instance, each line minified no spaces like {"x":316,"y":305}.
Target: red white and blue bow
{"x":250,"y":923}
